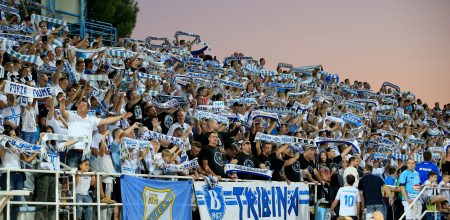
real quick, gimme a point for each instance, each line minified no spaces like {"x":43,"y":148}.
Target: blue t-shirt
{"x":115,"y":156}
{"x":389,"y":181}
{"x":424,"y":168}
{"x":411,"y":181}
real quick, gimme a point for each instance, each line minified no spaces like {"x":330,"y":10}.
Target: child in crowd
{"x":444,"y":186}
{"x":428,"y":196}
{"x":83,"y":183}
{"x":168,"y":157}
{"x":349,"y":199}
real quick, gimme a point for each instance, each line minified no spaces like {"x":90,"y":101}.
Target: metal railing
{"x":72,"y":173}
{"x":417,"y":198}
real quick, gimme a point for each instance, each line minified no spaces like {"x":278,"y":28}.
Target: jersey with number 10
{"x":348,"y":197}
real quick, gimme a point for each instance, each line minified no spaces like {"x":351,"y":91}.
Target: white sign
{"x":269,"y":200}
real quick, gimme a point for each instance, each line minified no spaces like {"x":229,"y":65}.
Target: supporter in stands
{"x":410,"y":187}
{"x":349,"y":199}
{"x":174,"y":90}
{"x":372,"y":190}
{"x":427,"y":166}
{"x":83,"y":183}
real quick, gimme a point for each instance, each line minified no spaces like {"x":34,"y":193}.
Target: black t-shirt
{"x":214,"y":158}
{"x":309,"y":165}
{"x":272,"y":163}
{"x":166,"y":121}
{"x":190,"y":156}
{"x":371,"y":187}
{"x":446,"y":167}
{"x":334,"y":164}
{"x":136,"y":110}
{"x":248,"y":161}
{"x":148,"y":123}
{"x":293,"y":171}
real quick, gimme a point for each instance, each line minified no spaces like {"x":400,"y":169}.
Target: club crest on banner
{"x":158,"y":203}
{"x":215,"y":202}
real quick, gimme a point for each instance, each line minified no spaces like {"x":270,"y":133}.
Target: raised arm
{"x":62,"y":108}
{"x":114,"y":119}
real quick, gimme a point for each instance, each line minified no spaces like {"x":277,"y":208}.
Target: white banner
{"x":271,"y":200}
{"x":28,"y":91}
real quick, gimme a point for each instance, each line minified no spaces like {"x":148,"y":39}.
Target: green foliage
{"x":121,"y":13}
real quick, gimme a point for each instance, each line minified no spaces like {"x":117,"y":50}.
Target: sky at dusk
{"x":405,"y":42}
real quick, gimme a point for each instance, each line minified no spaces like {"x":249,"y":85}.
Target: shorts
{"x":413,"y":212}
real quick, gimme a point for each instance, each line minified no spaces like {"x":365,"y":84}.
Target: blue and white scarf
{"x":401,"y":157}
{"x":12,"y":27}
{"x":149,"y":76}
{"x":20,"y":145}
{"x":27,"y":91}
{"x":227,"y":60}
{"x":207,"y":115}
{"x":39,"y":18}
{"x":229,"y":168}
{"x":354,"y":105}
{"x":16,"y":37}
{"x":26,"y":58}
{"x":280,"y":85}
{"x":352,"y":119}
{"x":182,"y":33}
{"x":261,"y":114}
{"x":136,"y":144}
{"x":210,"y":108}
{"x":366,"y":101}
{"x":191,"y":164}
{"x":231,"y":84}
{"x":278,"y":110}
{"x":353,"y":142}
{"x":94,"y":77}
{"x":388,"y":84}
{"x":173,"y":140}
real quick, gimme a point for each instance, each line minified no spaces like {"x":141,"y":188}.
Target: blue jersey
{"x":411,"y":181}
{"x":424,"y":168}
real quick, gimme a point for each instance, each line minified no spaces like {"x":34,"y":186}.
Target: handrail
{"x":418,"y":197}
{"x":72,"y":172}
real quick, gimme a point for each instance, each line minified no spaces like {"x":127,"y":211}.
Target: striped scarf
{"x":181,"y":33}
{"x":26,"y":58}
{"x":17,"y":37}
{"x":20,"y":145}
{"x":94,"y":77}
{"x":352,"y":142}
{"x":39,"y":18}
{"x":148,"y":76}
{"x":207,"y":115}
{"x":191,"y":164}
{"x":266,"y":173}
{"x":121,"y":53}
{"x":12,"y":28}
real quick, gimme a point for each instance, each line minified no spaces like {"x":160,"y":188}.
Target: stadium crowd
{"x":163,"y":107}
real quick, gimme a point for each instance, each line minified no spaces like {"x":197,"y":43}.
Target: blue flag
{"x":155,"y":199}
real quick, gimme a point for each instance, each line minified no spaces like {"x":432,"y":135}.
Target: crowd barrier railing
{"x":72,"y":173}
{"x":418,"y":198}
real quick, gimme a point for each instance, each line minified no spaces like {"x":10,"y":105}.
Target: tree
{"x":121,"y":14}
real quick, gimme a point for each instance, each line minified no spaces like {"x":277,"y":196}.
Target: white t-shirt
{"x":12,"y":114}
{"x":130,"y":166}
{"x":29,"y":120}
{"x":348,"y":197}
{"x":79,"y":126}
{"x":58,"y":126}
{"x":84,"y":185}
{"x":53,"y":161}
{"x":354,"y":172}
{"x":10,"y":160}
